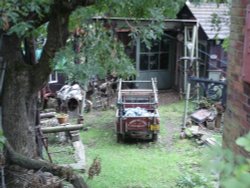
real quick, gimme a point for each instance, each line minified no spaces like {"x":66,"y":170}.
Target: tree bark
{"x":19,"y":104}
{"x":23,"y":80}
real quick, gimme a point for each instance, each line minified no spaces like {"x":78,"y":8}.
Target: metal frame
{"x":139,"y":91}
{"x":2,"y":75}
{"x":143,"y":92}
{"x":191,"y":54}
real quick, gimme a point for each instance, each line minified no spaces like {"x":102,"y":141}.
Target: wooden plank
{"x":50,"y":122}
{"x":148,"y":95}
{"x":47,"y":115}
{"x":136,"y":90}
{"x":61,"y":128}
{"x":79,"y":156}
{"x":137,"y":81}
{"x":139,"y":103}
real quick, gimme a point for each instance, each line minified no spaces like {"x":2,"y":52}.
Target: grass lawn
{"x":140,"y":164}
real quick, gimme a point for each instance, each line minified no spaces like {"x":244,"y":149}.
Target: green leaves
{"x":244,"y":142}
{"x":18,"y":15}
{"x":234,"y":169}
{"x":193,"y":180}
{"x":21,"y":28}
{"x":98,"y":53}
{"x":138,"y":8}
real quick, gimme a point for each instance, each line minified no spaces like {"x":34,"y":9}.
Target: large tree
{"x":20,"y":25}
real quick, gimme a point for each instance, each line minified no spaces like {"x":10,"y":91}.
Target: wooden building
{"x":197,"y":33}
{"x":190,"y":35}
{"x":160,"y":60}
{"x":214,"y":22}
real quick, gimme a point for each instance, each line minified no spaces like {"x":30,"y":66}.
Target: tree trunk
{"x":23,"y":78}
{"x":19,"y":104}
{"x":66,"y":173}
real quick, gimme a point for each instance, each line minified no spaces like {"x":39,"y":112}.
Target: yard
{"x":171,"y":162}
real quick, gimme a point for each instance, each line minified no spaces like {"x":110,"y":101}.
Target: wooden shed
{"x":197,"y":32}
{"x":160,"y":60}
{"x":214,"y":22}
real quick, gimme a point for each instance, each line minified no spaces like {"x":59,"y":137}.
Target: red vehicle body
{"x":137,"y":114}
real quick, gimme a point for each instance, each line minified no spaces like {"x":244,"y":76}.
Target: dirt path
{"x":172,"y":127}
{"x":168,"y":97}
{"x":140,"y":163}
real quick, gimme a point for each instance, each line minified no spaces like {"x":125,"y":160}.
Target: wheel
{"x":119,"y":137}
{"x":154,"y":137}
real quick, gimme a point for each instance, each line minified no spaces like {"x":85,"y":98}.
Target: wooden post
{"x":186,"y":106}
{"x":218,"y":121}
{"x":62,"y":128}
{"x":185,"y":61}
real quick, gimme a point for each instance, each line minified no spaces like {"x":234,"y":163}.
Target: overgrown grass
{"x":139,"y":164}
{"x":61,"y":153}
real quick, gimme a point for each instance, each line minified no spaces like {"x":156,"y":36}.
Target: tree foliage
{"x":233,"y":168}
{"x":100,"y":52}
{"x":20,"y":17}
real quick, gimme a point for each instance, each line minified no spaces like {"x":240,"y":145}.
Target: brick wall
{"x":237,"y":116}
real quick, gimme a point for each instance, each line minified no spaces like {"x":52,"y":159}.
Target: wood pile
{"x":48,"y":119}
{"x":66,"y":131}
{"x":201,"y":134}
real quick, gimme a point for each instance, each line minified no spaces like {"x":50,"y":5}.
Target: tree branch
{"x":57,"y":33}
{"x":72,"y":5}
{"x":62,"y":172}
{"x":56,"y":37}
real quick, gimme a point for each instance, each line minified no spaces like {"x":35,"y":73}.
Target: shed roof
{"x":205,"y":13}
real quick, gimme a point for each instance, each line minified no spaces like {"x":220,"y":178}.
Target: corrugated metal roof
{"x":205,"y":13}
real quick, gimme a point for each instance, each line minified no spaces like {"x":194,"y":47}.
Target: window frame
{"x":53,"y":77}
{"x":159,"y":53}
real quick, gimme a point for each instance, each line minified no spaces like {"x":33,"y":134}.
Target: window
{"x":156,"y":58}
{"x":53,"y":77}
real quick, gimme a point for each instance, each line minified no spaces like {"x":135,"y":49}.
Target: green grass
{"x":139,"y":164}
{"x":61,"y":153}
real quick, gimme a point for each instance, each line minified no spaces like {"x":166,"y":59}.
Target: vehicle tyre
{"x":154,"y":137}
{"x":119,"y":137}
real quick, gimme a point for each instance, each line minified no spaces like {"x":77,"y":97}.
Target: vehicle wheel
{"x":119,"y":137}
{"x":154,"y":137}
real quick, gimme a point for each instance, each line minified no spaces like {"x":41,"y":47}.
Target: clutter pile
{"x":70,"y":91}
{"x":135,"y":112}
{"x":204,"y":123}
